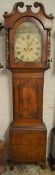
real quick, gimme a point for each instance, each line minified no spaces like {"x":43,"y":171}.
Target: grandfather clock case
{"x":28,"y":32}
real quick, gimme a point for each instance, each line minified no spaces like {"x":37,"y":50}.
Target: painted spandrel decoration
{"x":27,"y":43}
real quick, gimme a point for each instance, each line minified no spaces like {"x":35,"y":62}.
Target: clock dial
{"x":27,"y":43}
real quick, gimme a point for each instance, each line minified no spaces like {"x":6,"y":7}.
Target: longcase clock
{"x":28,"y":56}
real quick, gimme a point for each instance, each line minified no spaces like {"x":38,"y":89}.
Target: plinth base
{"x":28,"y":144}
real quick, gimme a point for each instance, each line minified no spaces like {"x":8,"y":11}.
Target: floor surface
{"x":29,"y":170}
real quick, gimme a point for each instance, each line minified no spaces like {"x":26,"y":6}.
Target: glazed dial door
{"x":27,"y":43}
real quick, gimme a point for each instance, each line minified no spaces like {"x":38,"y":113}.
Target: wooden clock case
{"x":27,"y":132}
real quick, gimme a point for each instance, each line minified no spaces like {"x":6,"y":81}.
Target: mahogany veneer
{"x":27,"y":133}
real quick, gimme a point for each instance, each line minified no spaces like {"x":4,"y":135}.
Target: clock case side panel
{"x":21,"y":64}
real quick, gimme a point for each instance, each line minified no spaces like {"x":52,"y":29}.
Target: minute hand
{"x":29,"y":44}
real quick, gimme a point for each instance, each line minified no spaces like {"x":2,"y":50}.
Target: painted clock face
{"x":27,"y":43}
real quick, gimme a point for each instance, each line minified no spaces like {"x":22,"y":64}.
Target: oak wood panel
{"x":28,"y":145}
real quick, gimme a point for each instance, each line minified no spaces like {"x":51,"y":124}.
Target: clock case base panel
{"x":27,"y":143}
